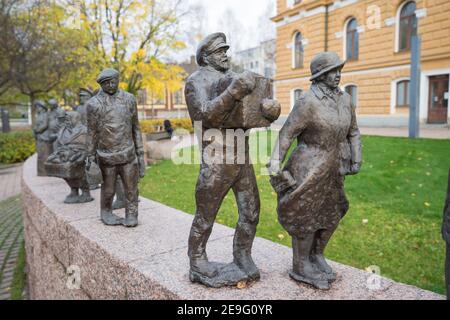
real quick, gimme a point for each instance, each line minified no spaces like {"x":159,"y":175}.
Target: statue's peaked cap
{"x":210,"y":44}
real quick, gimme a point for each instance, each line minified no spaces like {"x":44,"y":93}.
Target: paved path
{"x":11,"y":238}
{"x":10,"y":177}
{"x":11,"y":228}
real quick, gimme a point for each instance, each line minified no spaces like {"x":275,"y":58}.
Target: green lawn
{"x":400,"y":190}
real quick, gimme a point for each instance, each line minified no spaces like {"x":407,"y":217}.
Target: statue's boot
{"x":72,"y":197}
{"x":111,"y":219}
{"x":302,"y":268}
{"x":85,"y":196}
{"x":317,"y":258}
{"x":305,"y":271}
{"x":203,"y":267}
{"x":131,"y":220}
{"x":320,"y":262}
{"x":244,"y":261}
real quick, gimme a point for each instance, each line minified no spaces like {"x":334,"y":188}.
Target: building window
{"x":142,"y":97}
{"x":298,"y":51}
{"x":402,"y":94}
{"x":352,"y":90}
{"x":406,"y":25}
{"x":297,"y":94}
{"x":178,"y":97}
{"x":352,"y":40}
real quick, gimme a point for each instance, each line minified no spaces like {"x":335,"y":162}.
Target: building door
{"x":438,"y":99}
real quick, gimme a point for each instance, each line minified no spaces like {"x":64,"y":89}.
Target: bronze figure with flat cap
{"x":115,"y":143}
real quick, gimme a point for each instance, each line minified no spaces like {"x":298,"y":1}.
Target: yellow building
{"x":374,"y":37}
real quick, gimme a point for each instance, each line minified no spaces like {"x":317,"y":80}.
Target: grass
{"x":400,"y":191}
{"x":18,"y":282}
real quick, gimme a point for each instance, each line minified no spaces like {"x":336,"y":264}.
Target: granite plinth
{"x":150,"y":261}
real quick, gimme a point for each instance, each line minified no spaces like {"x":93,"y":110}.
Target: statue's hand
{"x":141,"y":166}
{"x":242,"y":85}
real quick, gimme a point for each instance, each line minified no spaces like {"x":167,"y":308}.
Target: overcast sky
{"x":246,"y":11}
{"x":245,"y":22}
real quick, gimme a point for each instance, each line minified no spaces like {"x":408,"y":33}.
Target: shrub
{"x":150,"y":126}
{"x":16,"y":146}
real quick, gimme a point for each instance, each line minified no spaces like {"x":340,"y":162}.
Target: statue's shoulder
{"x":93,"y":103}
{"x":128,"y":96}
{"x":306,"y":99}
{"x":195,"y":77}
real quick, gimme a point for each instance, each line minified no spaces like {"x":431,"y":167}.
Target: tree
{"x":6,"y":43}
{"x":133,"y":36}
{"x":42,"y":52}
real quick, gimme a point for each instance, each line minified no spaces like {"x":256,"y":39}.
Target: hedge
{"x":16,"y":146}
{"x":150,"y":126}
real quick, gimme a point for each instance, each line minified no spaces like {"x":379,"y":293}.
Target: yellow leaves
{"x":427,"y":204}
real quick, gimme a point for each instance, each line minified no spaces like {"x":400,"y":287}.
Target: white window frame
{"x":293,"y":97}
{"x":293,"y":49}
{"x":394,"y":84}
{"x":344,"y":36}
{"x":357,"y":91}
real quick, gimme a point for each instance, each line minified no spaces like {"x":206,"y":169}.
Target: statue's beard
{"x":220,"y":65}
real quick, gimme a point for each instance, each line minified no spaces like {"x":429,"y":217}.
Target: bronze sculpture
{"x":67,"y":161}
{"x":446,"y":237}
{"x":115,"y":143}
{"x":84,"y":95}
{"x":213,"y":95}
{"x":56,"y":116}
{"x":310,"y":187}
{"x":44,"y":145}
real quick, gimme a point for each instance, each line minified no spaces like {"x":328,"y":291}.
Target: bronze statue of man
{"x":216,"y":178}
{"x":56,"y":118}
{"x":115,"y":143}
{"x":84,"y":95}
{"x":446,"y":237}
{"x":69,"y":157}
{"x":310,"y":187}
{"x":44,"y":144}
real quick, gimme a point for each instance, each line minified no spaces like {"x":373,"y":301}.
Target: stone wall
{"x":150,"y":261}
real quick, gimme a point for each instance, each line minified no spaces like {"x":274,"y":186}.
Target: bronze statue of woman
{"x":310,"y":187}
